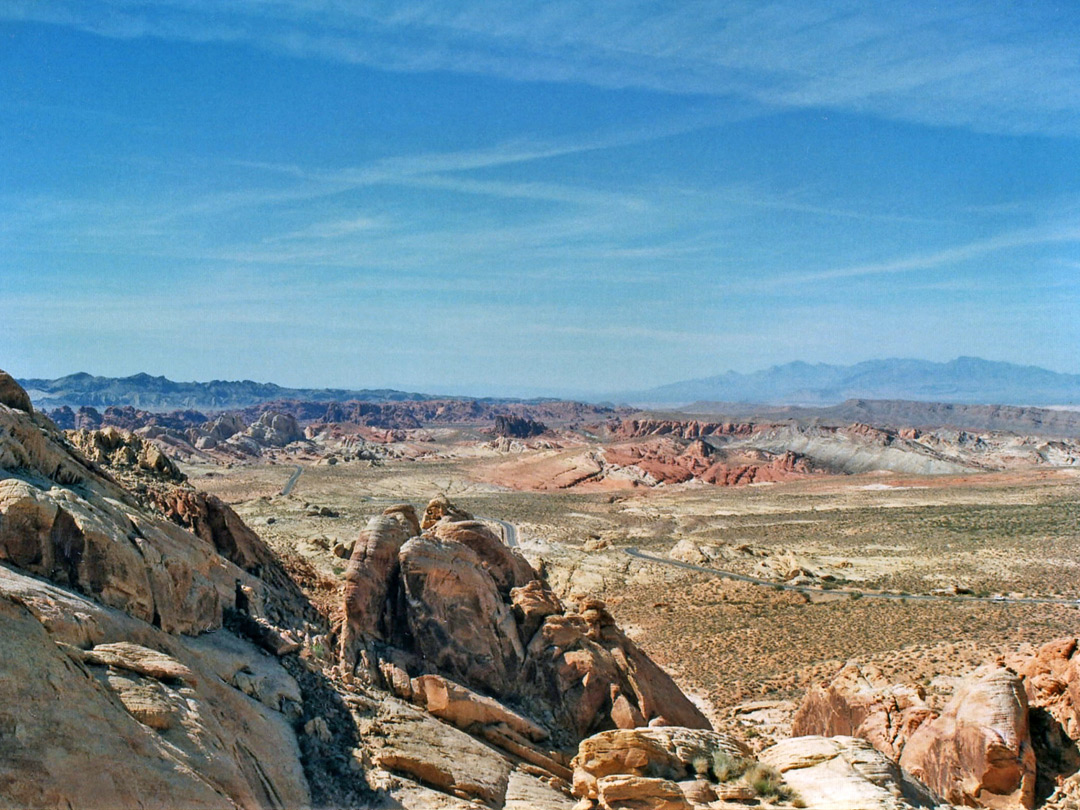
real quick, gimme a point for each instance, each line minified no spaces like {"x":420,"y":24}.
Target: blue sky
{"x":522,"y":197}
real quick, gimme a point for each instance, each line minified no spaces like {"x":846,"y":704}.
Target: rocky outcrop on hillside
{"x":101,"y":602}
{"x":978,"y":750}
{"x":517,"y":427}
{"x":126,"y":454}
{"x":668,"y":461}
{"x":512,"y":638}
{"x":862,"y":702}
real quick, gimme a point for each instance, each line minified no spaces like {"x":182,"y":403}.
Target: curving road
{"x":285,"y":490}
{"x":510,"y":532}
{"x":997,"y":600}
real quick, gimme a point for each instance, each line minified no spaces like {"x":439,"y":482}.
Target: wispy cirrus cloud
{"x":990,"y":65}
{"x":948,"y":257}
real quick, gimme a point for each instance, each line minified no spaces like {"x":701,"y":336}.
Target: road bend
{"x":285,"y":490}
{"x":803,"y":589}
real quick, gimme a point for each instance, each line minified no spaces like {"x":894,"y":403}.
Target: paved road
{"x":915,"y":597}
{"x":285,"y":490}
{"x":510,"y":532}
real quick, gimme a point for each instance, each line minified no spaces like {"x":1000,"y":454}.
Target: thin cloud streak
{"x":949,"y":256}
{"x":892,"y":61}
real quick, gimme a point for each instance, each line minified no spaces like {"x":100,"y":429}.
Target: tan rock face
{"x":861,"y":702}
{"x":668,"y":751}
{"x":456,"y":616}
{"x":372,"y":568}
{"x":159,"y":729}
{"x":845,"y":773}
{"x":625,"y":792}
{"x":978,"y":752}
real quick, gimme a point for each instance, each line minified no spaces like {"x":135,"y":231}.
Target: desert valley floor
{"x":747,"y":652}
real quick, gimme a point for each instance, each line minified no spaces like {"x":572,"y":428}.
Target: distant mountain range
{"x":161,"y":394}
{"x":901,"y":413}
{"x":963,"y":380}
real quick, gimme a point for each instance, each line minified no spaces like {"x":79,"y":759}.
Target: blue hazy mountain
{"x":964,"y":380}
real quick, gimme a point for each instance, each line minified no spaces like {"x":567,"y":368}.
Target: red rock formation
{"x":861,"y":702}
{"x":506,"y":566}
{"x":687,"y":429}
{"x":978,"y":752}
{"x":478,"y":614}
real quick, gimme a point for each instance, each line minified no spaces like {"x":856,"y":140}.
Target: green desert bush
{"x":726,"y":767}
{"x":767,"y":782}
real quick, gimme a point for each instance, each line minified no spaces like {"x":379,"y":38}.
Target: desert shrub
{"x":726,"y":767}
{"x":767,"y":781}
{"x":700,"y":765}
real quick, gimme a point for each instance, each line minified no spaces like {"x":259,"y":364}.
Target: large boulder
{"x":978,"y":752}
{"x":13,"y":395}
{"x":845,"y":773}
{"x":861,"y":702}
{"x":506,"y":566}
{"x":672,"y":753}
{"x":456,"y":616}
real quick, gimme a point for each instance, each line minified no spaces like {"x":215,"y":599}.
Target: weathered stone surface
{"x":140,"y":660}
{"x":172,"y":735}
{"x":978,"y":752}
{"x":465,"y":708}
{"x":627,"y":792}
{"x":456,"y":617}
{"x":372,"y":569}
{"x":435,"y":754}
{"x":506,"y":566}
{"x":13,"y":395}
{"x":845,"y":773}
{"x":667,"y":751}
{"x":861,"y":702}
{"x":527,"y":792}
